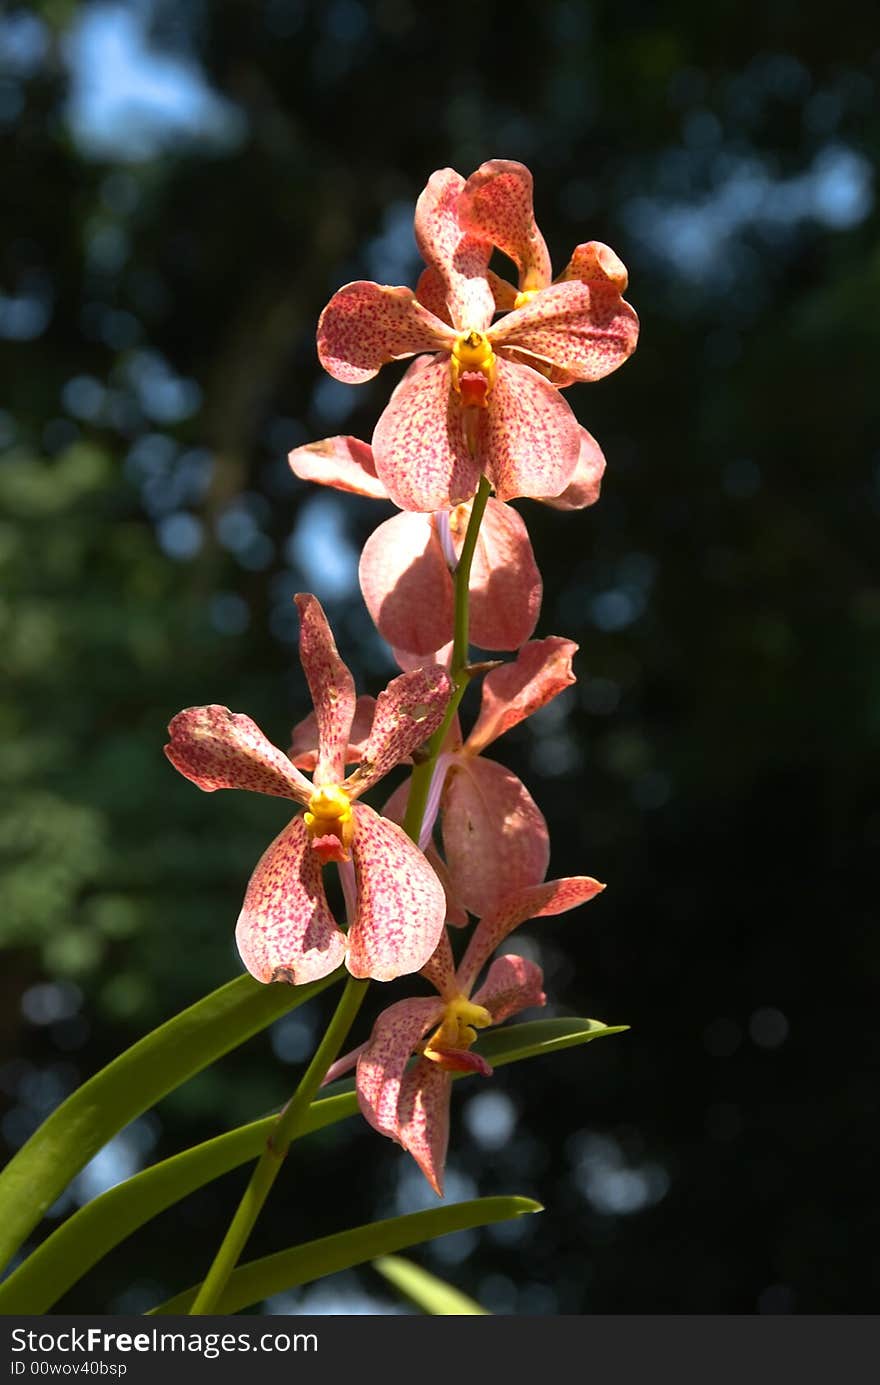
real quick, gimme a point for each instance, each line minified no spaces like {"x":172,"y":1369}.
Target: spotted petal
{"x":586,"y":330}
{"x":407,"y":585}
{"x":385,"y":1055}
{"x":596,"y":264}
{"x":423,"y":1118}
{"x":365,"y":325}
{"x":400,"y":904}
{"x":496,"y":203}
{"x":219,"y":749}
{"x":512,"y":984}
{"x":540,"y":671}
{"x":285,"y":931}
{"x":304,"y":748}
{"x":528,"y":441}
{"x":583,"y":488}
{"x":505,"y":584}
{"x":532,"y":902}
{"x":331,"y":685}
{"x":345,"y":463}
{"x":461,"y":261}
{"x":408,"y":711}
{"x":420,"y":445}
{"x":494,"y":834}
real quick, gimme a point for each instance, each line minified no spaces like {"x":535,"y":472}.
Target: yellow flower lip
{"x":329,"y":815}
{"x":458,"y":1028}
{"x":472,"y":355}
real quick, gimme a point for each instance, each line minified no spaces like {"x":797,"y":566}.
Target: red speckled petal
{"x":595,"y":263}
{"x":407,"y":713}
{"x":461,"y":261}
{"x":513,"y":692}
{"x":400,"y":906}
{"x":383,"y":1060}
{"x":423,"y":1118}
{"x":304,"y":749}
{"x":497,"y":203}
{"x":285,"y":931}
{"x":331,"y":685}
{"x":533,"y":902}
{"x":219,"y":749}
{"x":345,"y":463}
{"x":583,"y":488}
{"x":585,"y":330}
{"x":420,"y":446}
{"x":407,"y":585}
{"x":365,"y":325}
{"x":512,"y":984}
{"x":440,"y":968}
{"x":494,"y":835}
{"x":528,"y":438}
{"x":505,"y":582}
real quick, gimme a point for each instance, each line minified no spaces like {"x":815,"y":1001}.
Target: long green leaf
{"x":259,"y":1279}
{"x":425,"y":1290}
{"x":541,"y":1037}
{"x":133,"y":1082}
{"x":94,"y":1230}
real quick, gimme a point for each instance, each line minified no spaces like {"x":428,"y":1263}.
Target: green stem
{"x":283,"y":1133}
{"x":458,"y":672}
{"x":463,"y":581}
{"x":290,"y":1121}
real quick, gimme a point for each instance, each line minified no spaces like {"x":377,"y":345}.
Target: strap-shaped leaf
{"x":539,"y":1037}
{"x":132,"y":1083}
{"x":425,"y":1290}
{"x":259,"y":1279}
{"x":94,"y":1230}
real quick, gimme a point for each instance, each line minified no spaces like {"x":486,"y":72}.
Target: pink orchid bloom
{"x":410,"y":1104}
{"x":494,"y":834}
{"x":482,"y":404}
{"x":407,"y":564}
{"x":286,"y":931}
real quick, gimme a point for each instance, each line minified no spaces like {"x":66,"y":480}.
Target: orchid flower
{"x":481,"y":404}
{"x":494,"y":834}
{"x":286,"y":931}
{"x":407,"y":563}
{"x":410,"y":1104}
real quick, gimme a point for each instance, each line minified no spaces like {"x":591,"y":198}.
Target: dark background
{"x":184,"y":187}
